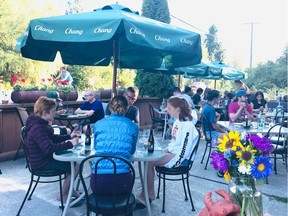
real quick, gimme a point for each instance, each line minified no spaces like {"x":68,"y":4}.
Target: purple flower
{"x":219,"y":162}
{"x":261,"y":143}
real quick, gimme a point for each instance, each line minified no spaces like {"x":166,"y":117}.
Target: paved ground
{"x":15,"y":179}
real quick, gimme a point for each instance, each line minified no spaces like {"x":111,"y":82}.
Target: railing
{"x":10,"y":124}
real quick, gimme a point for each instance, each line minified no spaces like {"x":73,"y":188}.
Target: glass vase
{"x":246,"y":195}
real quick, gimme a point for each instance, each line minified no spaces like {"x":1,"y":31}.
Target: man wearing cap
{"x":60,"y":110}
{"x":238,"y":110}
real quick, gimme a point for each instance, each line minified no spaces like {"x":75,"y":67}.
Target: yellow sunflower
{"x":229,"y":142}
{"x":245,"y":155}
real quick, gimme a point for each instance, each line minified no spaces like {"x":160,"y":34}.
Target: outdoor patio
{"x":15,"y":179}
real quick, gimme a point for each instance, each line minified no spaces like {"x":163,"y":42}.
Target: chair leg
{"x":184,"y":187}
{"x":163,"y":205}
{"x":27,"y":193}
{"x":159,"y":182}
{"x":204,"y":153}
{"x":29,"y":198}
{"x":189,"y":192}
{"x":61,"y":197}
{"x":210,"y":147}
{"x":16,"y":155}
{"x":275,"y":164}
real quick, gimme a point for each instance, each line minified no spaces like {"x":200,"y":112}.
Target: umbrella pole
{"x":215,"y":84}
{"x":179,"y":80}
{"x":115,"y":63}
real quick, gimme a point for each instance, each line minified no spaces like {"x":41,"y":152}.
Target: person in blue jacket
{"x":114,"y":135}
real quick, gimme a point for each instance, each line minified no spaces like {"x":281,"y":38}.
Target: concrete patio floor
{"x":14,"y":182}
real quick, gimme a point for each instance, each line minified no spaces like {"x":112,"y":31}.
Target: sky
{"x":232,"y":19}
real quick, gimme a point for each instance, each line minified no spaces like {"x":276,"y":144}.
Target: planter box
{"x":32,"y":96}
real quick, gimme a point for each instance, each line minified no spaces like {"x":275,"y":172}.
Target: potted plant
{"x":30,"y":94}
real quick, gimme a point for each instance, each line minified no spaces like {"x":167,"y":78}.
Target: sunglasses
{"x":131,"y":98}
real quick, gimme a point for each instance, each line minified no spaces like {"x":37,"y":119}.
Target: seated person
{"x":188,"y":91}
{"x":177,"y":93}
{"x":64,"y":77}
{"x":241,"y":108}
{"x":259,"y":103}
{"x":92,"y":107}
{"x":131,"y":94}
{"x":209,"y":112}
{"x":122,"y":144}
{"x":42,"y":142}
{"x":59,"y":110}
{"x":197,"y":97}
{"x":176,"y":152}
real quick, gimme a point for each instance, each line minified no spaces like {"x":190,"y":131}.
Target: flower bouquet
{"x":244,"y":159}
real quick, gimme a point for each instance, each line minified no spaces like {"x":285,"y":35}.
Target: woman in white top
{"x":176,"y":152}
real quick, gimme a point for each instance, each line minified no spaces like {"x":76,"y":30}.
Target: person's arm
{"x":59,"y":76}
{"x":234,"y":116}
{"x":217,"y":128}
{"x":249,"y":112}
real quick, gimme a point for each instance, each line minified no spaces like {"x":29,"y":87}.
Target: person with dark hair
{"x":213,"y":98}
{"x":177,"y":93}
{"x":197,"y":97}
{"x":182,"y":127}
{"x":114,"y":135}
{"x":42,"y":142}
{"x":188,"y":90}
{"x":131,"y":94}
{"x":259,"y":103}
{"x":238,"y":110}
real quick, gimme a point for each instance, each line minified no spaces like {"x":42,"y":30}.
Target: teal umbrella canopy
{"x":230,"y":73}
{"x":93,"y":38}
{"x":113,"y":32}
{"x":202,"y":70}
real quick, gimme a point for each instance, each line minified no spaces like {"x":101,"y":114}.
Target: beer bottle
{"x":87,"y":137}
{"x":151,"y":142}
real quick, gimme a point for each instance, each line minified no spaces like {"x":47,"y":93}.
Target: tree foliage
{"x":214,"y":48}
{"x":269,"y":75}
{"x":154,"y":84}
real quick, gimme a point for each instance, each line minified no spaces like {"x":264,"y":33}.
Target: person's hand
{"x":62,"y":111}
{"x":76,"y":132}
{"x":74,"y":141}
{"x":242,"y":105}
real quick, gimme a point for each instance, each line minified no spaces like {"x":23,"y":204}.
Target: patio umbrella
{"x":230,"y":73}
{"x":113,"y":32}
{"x":201,"y":70}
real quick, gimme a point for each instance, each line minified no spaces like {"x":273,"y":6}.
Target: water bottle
{"x":260,"y":121}
{"x":163,"y":105}
{"x":151,"y":142}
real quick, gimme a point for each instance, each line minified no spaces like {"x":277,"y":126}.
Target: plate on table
{"x":82,"y":115}
{"x":63,"y":115}
{"x":64,"y":152}
{"x":72,"y":116}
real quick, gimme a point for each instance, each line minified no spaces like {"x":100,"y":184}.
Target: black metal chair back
{"x":37,"y":174}
{"x":111,"y":203}
{"x":207,"y":131}
{"x":279,"y":142}
{"x":23,"y":116}
{"x":181,"y":171}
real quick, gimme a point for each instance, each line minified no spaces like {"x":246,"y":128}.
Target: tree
{"x":214,"y":48}
{"x":269,"y":75}
{"x":154,"y":84}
